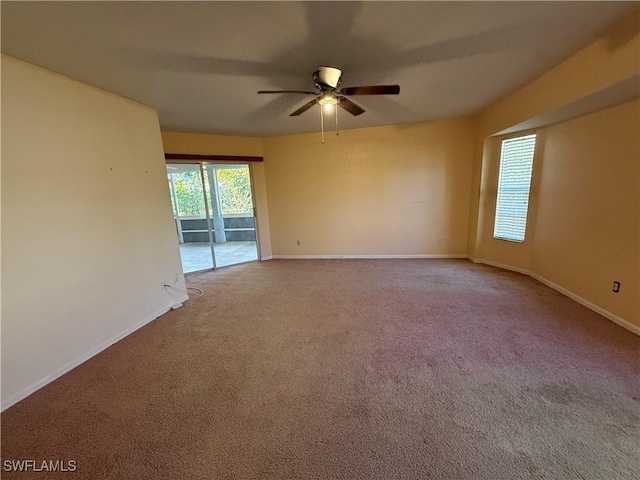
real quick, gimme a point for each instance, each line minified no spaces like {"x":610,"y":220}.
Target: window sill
{"x":508,"y":240}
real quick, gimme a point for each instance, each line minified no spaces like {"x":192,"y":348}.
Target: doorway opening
{"x":214,"y":213}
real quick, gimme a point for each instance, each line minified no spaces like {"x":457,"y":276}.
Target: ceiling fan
{"x":327,"y":81}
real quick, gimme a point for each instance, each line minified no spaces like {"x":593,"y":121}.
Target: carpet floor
{"x":349,"y":369}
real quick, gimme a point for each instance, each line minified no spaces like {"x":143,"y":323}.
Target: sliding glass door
{"x":213,"y":209}
{"x":230,"y":200}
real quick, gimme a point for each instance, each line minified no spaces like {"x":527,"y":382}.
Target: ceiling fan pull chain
{"x":336,"y":109}
{"x":322,"y":123}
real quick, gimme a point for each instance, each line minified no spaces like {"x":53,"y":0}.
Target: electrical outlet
{"x":176,"y":279}
{"x":441,"y":240}
{"x":616,"y":287}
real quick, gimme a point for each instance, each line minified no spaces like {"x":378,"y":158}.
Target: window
{"x":514,"y":182}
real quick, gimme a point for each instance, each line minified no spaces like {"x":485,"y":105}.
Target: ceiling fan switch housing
{"x":327,"y":77}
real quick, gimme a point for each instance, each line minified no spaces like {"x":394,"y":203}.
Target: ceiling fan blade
{"x":289,"y":91}
{"x":349,"y":106}
{"x":304,"y":108}
{"x":372,"y":90}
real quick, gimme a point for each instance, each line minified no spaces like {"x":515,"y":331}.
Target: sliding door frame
{"x":202,"y":161}
{"x":208,"y":217}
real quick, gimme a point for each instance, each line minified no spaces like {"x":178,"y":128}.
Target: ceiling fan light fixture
{"x":328,"y":100}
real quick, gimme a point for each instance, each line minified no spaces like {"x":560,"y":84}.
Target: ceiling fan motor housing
{"x":327,"y":78}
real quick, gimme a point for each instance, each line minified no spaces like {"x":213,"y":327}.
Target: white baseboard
{"x":83,"y":358}
{"x":104,"y":345}
{"x":263,"y":259}
{"x":582,"y":301}
{"x":501,"y":265}
{"x":329,"y":257}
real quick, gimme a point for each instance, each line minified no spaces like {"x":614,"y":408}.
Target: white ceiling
{"x":200,"y":64}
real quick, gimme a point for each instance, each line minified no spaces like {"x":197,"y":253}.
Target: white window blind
{"x":514,"y":182}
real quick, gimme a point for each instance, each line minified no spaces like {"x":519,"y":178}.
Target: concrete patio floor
{"x":197,"y":256}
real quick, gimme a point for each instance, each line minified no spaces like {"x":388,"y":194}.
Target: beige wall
{"x":204,"y":144}
{"x":611,"y":61}
{"x":584,"y":209}
{"x":87,"y":232}
{"x":588,"y":209}
{"x":569,"y":212}
{"x":606,"y":62}
{"x":372,"y":191}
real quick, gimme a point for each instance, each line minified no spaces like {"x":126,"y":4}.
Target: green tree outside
{"x":234,"y":186}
